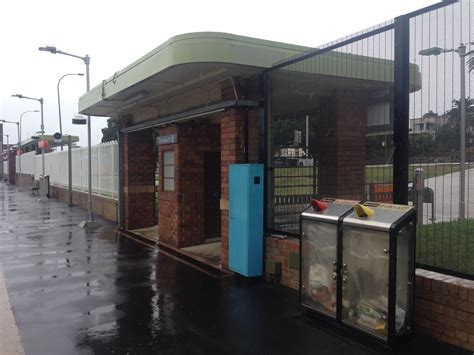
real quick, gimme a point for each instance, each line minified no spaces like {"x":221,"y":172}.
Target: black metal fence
{"x":438,"y":40}
{"x":378,"y":112}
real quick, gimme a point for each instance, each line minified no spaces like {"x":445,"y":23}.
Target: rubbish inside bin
{"x":322,"y":287}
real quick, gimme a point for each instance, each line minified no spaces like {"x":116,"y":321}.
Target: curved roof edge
{"x":190,"y":48}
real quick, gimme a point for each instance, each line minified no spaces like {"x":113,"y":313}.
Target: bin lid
{"x":336,"y":208}
{"x":384,"y":216}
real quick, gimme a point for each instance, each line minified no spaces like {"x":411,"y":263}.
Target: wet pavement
{"x":79,"y":292}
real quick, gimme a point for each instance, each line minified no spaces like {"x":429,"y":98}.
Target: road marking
{"x":10,"y":342}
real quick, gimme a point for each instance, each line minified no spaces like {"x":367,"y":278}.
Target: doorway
{"x":212,"y":196}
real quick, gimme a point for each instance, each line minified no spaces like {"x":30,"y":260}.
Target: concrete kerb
{"x":10,"y":342}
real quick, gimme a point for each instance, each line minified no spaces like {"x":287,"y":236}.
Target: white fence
{"x":105,"y":168}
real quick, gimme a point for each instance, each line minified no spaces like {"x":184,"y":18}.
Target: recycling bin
{"x":320,"y":286}
{"x":378,"y":270}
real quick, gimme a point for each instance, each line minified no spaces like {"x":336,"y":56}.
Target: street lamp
{"x":86,"y":59}
{"x":461,"y":51}
{"x":19,"y":143}
{"x":40,"y":100}
{"x":59,"y":103}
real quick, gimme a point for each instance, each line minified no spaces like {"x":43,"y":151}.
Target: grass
{"x":448,"y":245}
{"x":385,"y":173}
{"x":300,"y":181}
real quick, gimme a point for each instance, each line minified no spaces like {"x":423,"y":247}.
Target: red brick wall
{"x":182,"y":210}
{"x":138,"y":179}
{"x":342,"y":147}
{"x":445,"y":308}
{"x":278,"y":250}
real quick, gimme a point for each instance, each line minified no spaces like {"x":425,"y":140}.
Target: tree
{"x":447,"y":137}
{"x":110,"y":132}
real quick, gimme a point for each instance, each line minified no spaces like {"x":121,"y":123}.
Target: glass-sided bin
{"x":378,"y":270}
{"x":320,"y":286}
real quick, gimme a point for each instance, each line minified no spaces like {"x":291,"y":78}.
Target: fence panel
{"x":104,"y":168}
{"x":331,"y":124}
{"x":27,"y":163}
{"x":441,"y":149}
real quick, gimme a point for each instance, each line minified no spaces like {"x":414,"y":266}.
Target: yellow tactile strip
{"x":10,"y":342}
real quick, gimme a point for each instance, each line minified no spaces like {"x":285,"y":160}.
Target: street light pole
{"x":462,"y":158}
{"x":86,"y":59}
{"x":59,"y":103}
{"x":461,"y":51}
{"x":19,"y":143}
{"x":40,"y":100}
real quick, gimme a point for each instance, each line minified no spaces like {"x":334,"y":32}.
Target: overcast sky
{"x":115,"y":33}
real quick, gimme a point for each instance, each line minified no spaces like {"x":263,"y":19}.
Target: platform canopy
{"x":181,"y":64}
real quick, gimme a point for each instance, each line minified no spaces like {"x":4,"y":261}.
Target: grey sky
{"x":115,"y":33}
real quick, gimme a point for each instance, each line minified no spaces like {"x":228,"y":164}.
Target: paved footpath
{"x":78,"y":292}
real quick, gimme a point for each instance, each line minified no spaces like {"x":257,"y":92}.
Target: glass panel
{"x":405,"y":256}
{"x":169,"y":171}
{"x":169,"y":184}
{"x":319,"y":255}
{"x":365,"y":280}
{"x":168,"y":158}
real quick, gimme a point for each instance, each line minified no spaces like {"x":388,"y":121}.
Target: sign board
{"x":43,"y":144}
{"x":297,"y":138}
{"x":57,"y":137}
{"x":168,"y":139}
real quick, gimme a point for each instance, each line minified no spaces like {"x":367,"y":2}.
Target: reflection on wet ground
{"x":74,"y":291}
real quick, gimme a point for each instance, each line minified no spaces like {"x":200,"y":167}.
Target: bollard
{"x":419,"y":193}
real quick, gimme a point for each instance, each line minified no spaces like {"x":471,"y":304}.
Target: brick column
{"x":138,"y":179}
{"x":342,"y":147}
{"x":181,"y":212}
{"x":232,"y":151}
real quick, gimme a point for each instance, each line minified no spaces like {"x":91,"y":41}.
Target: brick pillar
{"x":342,"y":147}
{"x":12,"y":167}
{"x":232,"y":151}
{"x":181,"y":212}
{"x":138,"y":179}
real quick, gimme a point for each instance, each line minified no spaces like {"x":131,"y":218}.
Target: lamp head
{"x":80,"y":74}
{"x":20,"y":96}
{"x":431,"y":51}
{"x":50,"y":49}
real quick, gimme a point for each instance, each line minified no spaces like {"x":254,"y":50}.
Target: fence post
{"x":69,"y":166}
{"x":401,"y":110}
{"x":419,"y":193}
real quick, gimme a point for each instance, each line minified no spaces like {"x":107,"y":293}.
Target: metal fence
{"x":446,"y":224}
{"x":338,"y":97}
{"x":105,"y":168}
{"x":392,"y":94}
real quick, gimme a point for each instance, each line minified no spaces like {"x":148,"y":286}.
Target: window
{"x":168,"y":170}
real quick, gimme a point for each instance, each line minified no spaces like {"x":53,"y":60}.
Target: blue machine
{"x":246,"y":219}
